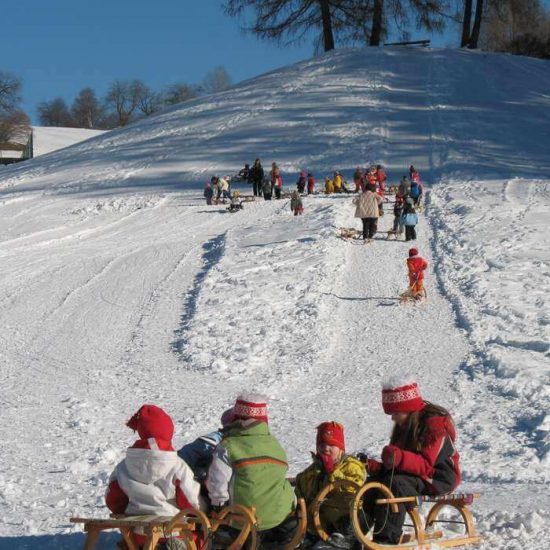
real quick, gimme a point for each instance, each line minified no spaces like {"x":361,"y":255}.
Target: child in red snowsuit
{"x":421,"y":458}
{"x":152,"y":479}
{"x":310,"y":184}
{"x":416,"y":266}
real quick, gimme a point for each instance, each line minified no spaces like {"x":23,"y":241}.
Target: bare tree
{"x":474,"y":37}
{"x":466,"y":23}
{"x":54,"y":113}
{"x":406,"y":14}
{"x":14,"y":126}
{"x":149,"y":101}
{"x":515,"y":26}
{"x":123,"y":99}
{"x":178,"y":93}
{"x":217,"y":80}
{"x":86,"y":110}
{"x":10,"y":88}
{"x":377,"y":23}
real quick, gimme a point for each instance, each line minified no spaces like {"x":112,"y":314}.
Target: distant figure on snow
{"x":301,"y":183}
{"x":409,"y":219}
{"x":256,"y":177}
{"x":296,"y":204}
{"x":208,"y":193}
{"x":367,"y":209}
{"x":310,"y":184}
{"x":416,"y":266}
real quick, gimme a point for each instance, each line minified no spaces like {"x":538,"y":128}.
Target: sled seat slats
{"x":153,"y":527}
{"x":463,"y":498}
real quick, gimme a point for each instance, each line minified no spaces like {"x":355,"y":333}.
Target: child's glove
{"x":391,"y":456}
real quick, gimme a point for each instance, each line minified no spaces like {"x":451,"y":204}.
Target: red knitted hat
{"x":413,"y":252}
{"x":152,"y":422}
{"x":251,"y":406}
{"x":401,"y":397}
{"x":331,"y":433}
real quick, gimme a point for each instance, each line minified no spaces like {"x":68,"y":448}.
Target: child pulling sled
{"x":416,"y":266}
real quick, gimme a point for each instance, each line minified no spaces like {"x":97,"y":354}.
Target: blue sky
{"x":59,"y":47}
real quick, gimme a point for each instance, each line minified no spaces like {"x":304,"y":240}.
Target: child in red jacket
{"x":420,"y":459}
{"x":416,"y":266}
{"x":152,"y":479}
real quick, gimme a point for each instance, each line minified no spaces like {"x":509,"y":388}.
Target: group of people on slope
{"x":336,"y":184}
{"x":267,"y":185}
{"x":369,"y":203}
{"x":243,"y":463}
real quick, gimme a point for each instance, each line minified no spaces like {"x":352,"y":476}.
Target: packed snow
{"x":121,"y":287}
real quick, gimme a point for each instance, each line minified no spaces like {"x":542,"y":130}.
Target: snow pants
{"x":257,"y":188}
{"x":388,"y":525}
{"x":277,"y":192}
{"x":410,"y":233}
{"x":370,"y":227}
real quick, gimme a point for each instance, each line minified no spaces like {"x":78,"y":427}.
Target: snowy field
{"x":119,"y":286}
{"x":47,"y":139}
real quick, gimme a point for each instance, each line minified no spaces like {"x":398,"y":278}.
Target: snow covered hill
{"x":47,"y":138}
{"x":119,"y":286}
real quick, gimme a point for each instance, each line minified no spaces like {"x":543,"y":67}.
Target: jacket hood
{"x":148,"y":466}
{"x":439,"y":426}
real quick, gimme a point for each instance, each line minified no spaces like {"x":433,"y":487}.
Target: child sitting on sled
{"x":296,"y":204}
{"x":152,"y":479}
{"x":330,"y":463}
{"x":420,"y":459}
{"x":236,"y":203}
{"x":416,"y":266}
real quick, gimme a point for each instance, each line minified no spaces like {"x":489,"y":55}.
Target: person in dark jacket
{"x":256,"y":177}
{"x":301,"y":183}
{"x":208,"y":193}
{"x":421,"y":458}
{"x":198,"y":454}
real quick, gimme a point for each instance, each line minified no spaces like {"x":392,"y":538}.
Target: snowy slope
{"x":119,"y":286}
{"x":47,"y":139}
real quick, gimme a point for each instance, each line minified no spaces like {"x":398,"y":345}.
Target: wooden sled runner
{"x":183,"y":525}
{"x":424,"y":534}
{"x":186,"y":523}
{"x":321,"y":497}
{"x":410,"y":297}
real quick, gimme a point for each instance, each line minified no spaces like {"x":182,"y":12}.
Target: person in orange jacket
{"x":416,"y":265}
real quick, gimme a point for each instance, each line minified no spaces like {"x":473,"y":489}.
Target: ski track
{"x":118,"y":288}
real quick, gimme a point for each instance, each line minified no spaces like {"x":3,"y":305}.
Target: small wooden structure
{"x":422,"y":43}
{"x":12,"y":151}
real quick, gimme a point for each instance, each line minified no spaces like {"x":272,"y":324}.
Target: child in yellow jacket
{"x":330,"y":463}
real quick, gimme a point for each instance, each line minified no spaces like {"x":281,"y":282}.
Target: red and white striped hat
{"x":401,"y":396}
{"x":251,"y":406}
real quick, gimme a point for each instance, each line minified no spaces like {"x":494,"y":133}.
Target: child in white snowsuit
{"x":152,"y":479}
{"x":296,"y":204}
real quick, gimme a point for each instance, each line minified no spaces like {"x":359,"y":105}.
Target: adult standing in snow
{"x":208,"y":193}
{"x":367,"y":208}
{"x":249,"y":467}
{"x":420,"y":459}
{"x":257,"y":177}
